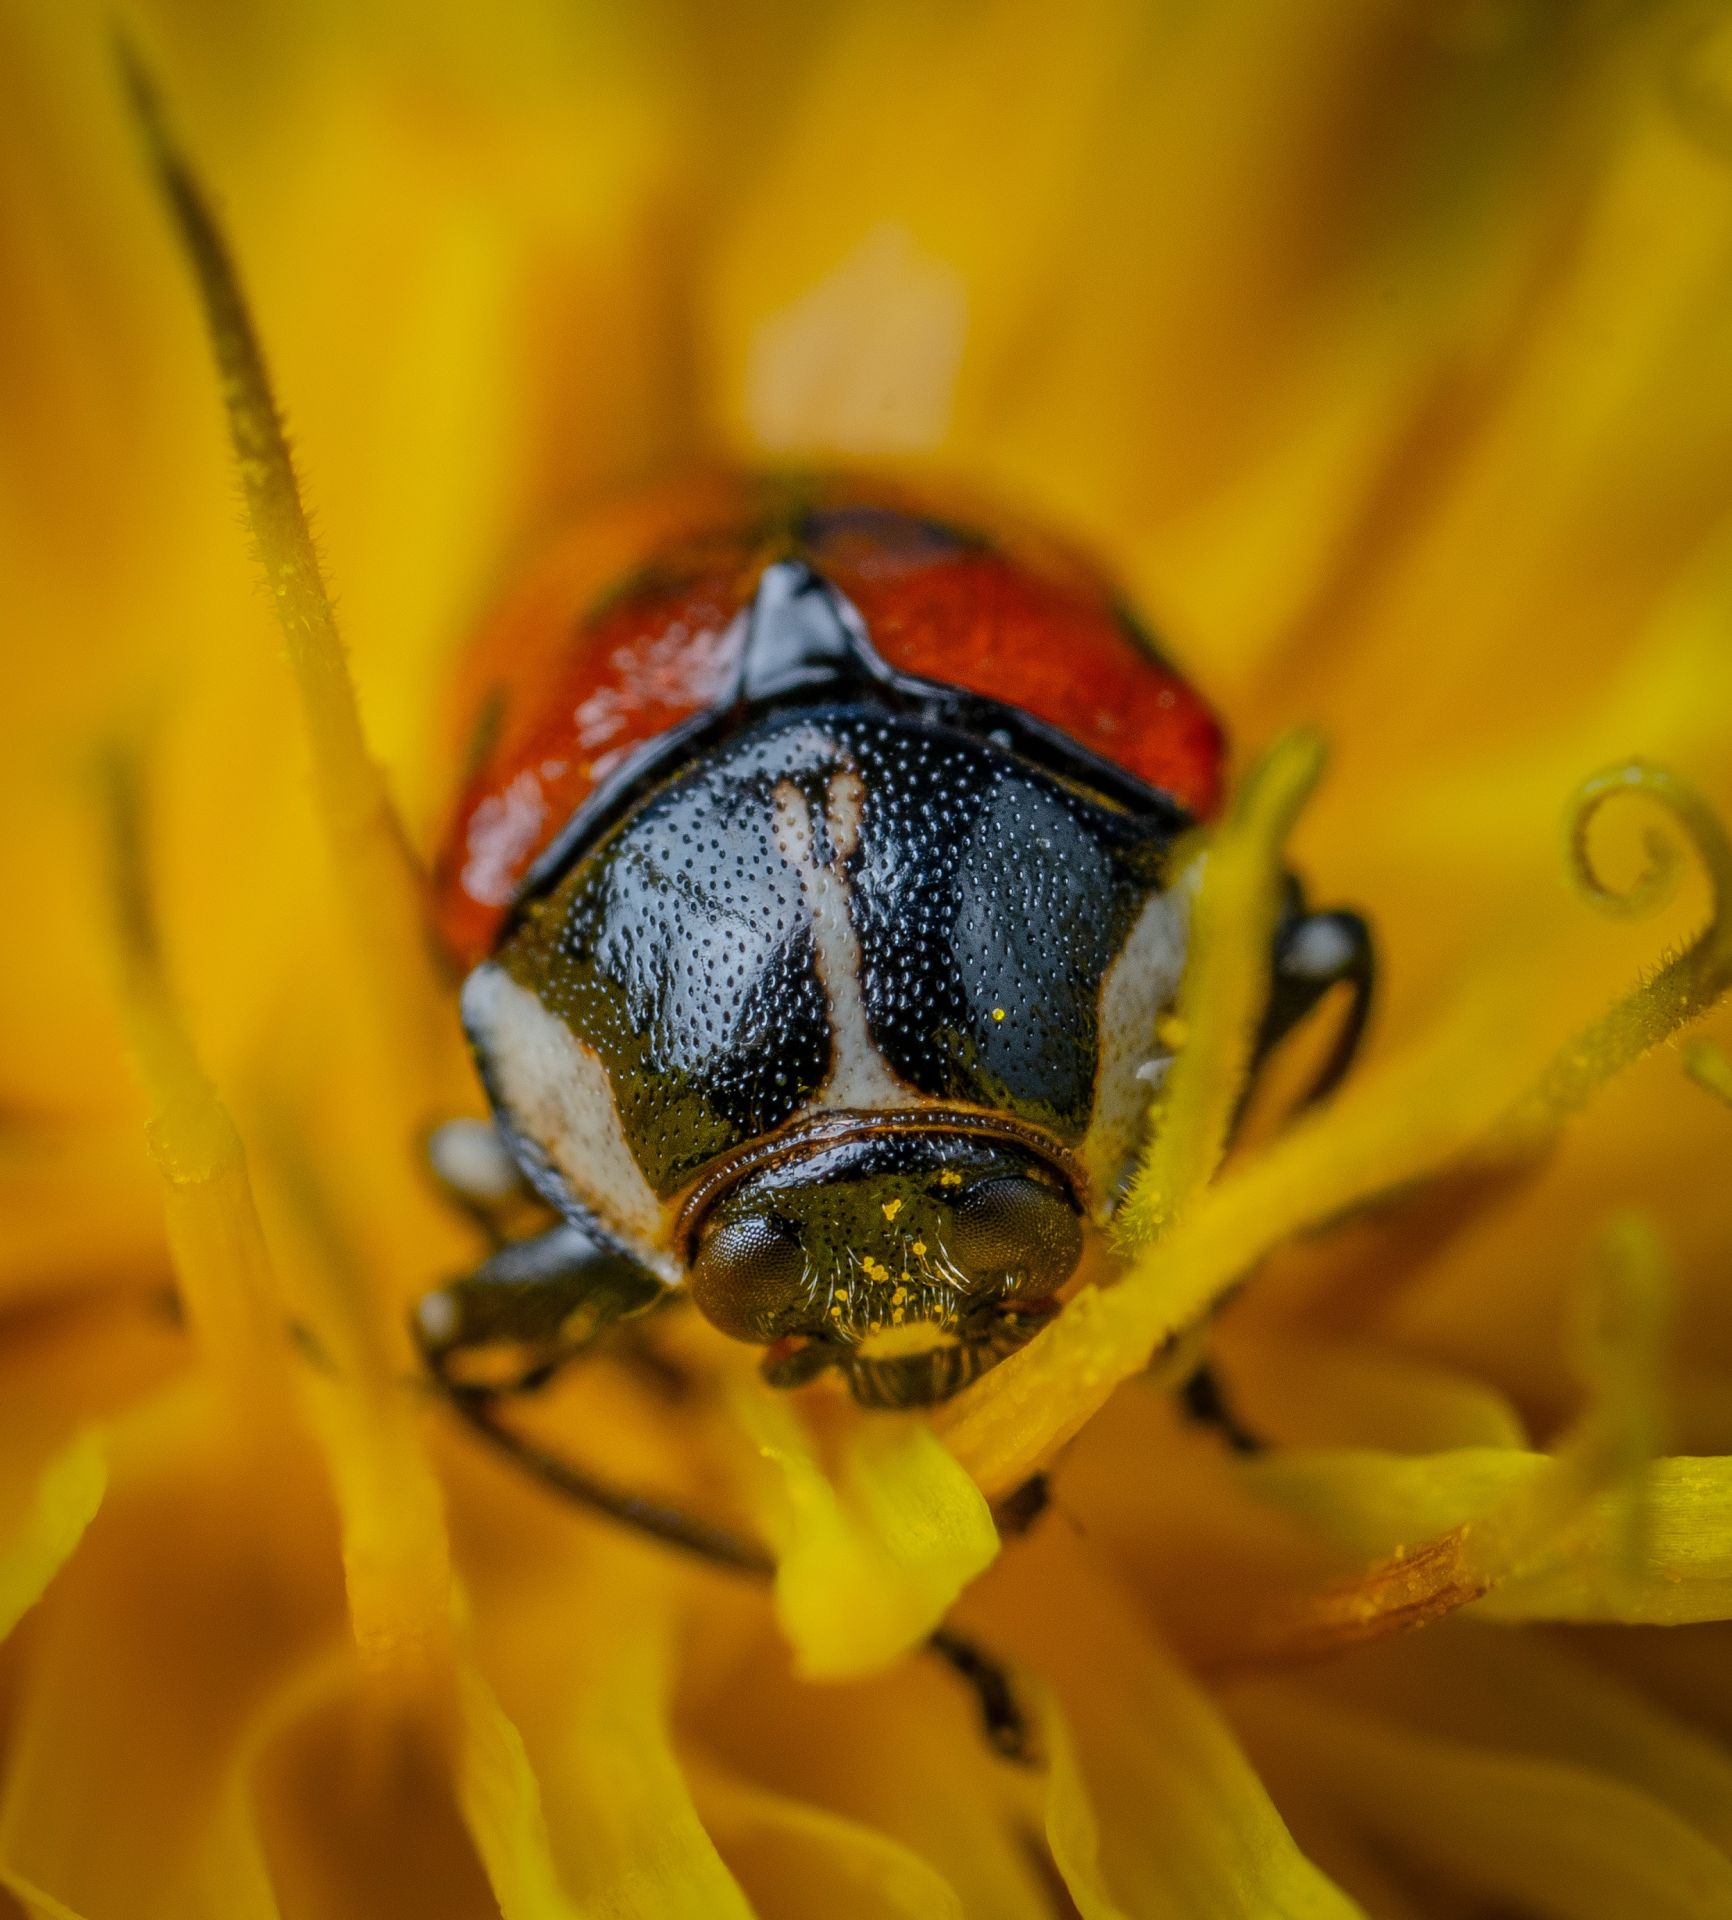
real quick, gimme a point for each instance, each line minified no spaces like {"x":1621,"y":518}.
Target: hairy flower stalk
{"x":1405,"y":412}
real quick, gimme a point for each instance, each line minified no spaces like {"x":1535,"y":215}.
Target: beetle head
{"x":911,"y":1260}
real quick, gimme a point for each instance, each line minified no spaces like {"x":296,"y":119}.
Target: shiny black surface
{"x":883,"y":1232}
{"x":805,"y":640}
{"x":990,"y":899}
{"x":987,"y":897}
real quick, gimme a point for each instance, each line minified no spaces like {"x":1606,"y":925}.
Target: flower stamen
{"x":1606,"y":1455}
{"x":1225,"y":988}
{"x":1687,"y":985}
{"x":213,"y":1226}
{"x":1447,"y":1105}
{"x":375,"y":871}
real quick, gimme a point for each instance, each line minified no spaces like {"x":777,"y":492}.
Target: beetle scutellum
{"x":817,"y":875}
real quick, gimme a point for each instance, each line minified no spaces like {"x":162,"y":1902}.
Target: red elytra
{"x":629,"y":627}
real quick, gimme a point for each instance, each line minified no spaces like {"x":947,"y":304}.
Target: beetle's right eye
{"x":1017,"y":1228}
{"x":748,"y":1277}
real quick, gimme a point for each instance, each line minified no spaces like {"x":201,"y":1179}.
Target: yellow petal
{"x":1684,"y":1567}
{"x":1523,"y":1512}
{"x":840,"y":1865}
{"x":63,"y":1380}
{"x":1152,"y":1807}
{"x":43,"y":1518}
{"x":867,"y":1561}
{"x":861,"y":317}
{"x":1530,"y":1694}
{"x":360,"y":1808}
{"x":81,"y":1207}
{"x":1464,"y":1092}
{"x":1383,"y":1503}
{"x":1071,"y":1828}
{"x":394,"y":1546}
{"x":900,"y":1756}
{"x":586,"y":1670}
{"x":213,"y":1227}
{"x":126,"y":1705}
{"x":1378,"y":1503}
{"x":502,"y":1806}
{"x":1300,"y":1391}
{"x":1555,"y":1839}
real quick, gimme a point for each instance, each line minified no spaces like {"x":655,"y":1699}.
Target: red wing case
{"x":630,"y":628}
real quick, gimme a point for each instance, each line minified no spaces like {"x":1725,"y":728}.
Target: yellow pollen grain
{"x":920,"y":1249}
{"x":890,"y":1209}
{"x":950,"y":1178}
{"x":897,"y":1298}
{"x":998,"y":1013}
{"x":875,"y":1269}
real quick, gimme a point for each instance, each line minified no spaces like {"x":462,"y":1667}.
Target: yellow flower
{"x":1381,"y":351}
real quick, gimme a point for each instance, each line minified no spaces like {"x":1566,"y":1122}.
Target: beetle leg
{"x":1016,"y":1512}
{"x":477,"y":1172}
{"x":529,"y":1308}
{"x":546,"y":1301}
{"x":1002,"y":1719}
{"x":672,"y":1526}
{"x":524,"y":1313}
{"x":1312,"y":953}
{"x":1185,"y":1370}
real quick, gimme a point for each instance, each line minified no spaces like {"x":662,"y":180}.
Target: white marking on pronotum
{"x":1139,"y":983}
{"x":556,"y":1093}
{"x":859,"y":1076}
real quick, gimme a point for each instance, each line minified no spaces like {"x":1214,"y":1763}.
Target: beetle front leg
{"x":506,"y":1328}
{"x":1314,"y":952}
{"x":529,"y":1308}
{"x":543,"y":1302}
{"x":477,"y":1172}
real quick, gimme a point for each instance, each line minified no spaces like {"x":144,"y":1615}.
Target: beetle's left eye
{"x":748,"y":1277}
{"x":1015,"y":1227}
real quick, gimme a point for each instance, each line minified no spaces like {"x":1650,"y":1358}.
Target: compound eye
{"x":1017,"y":1230}
{"x":748,"y":1277}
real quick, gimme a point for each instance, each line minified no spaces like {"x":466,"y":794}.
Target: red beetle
{"x":814,"y":876}
{"x":814,"y":873}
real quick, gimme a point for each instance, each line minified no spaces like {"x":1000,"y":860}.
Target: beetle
{"x":815,"y":877}
{"x":814,"y":873}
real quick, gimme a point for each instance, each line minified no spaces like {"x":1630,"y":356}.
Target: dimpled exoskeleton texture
{"x":990,"y":899}
{"x":680,"y":951}
{"x":980,"y":901}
